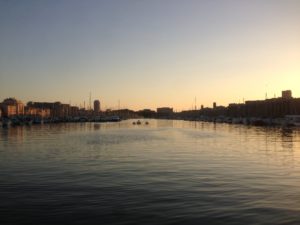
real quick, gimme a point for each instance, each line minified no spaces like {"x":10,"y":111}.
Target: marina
{"x":287,"y":121}
{"x":149,"y":112}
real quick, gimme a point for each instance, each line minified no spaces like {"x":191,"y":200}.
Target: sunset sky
{"x":149,"y":54}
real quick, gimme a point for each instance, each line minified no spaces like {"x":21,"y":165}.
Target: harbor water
{"x":166,"y":172}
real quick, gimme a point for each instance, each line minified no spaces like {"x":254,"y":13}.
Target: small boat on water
{"x":28,"y":122}
{"x":37,"y":120}
{"x":139,"y":122}
{"x":292,"y":120}
{"x":113,"y":119}
{"x":6,"y":122}
{"x":17,"y":121}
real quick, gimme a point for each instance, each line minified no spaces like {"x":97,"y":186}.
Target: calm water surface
{"x":169,"y":172}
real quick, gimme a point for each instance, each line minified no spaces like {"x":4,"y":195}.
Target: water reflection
{"x":13,"y":135}
{"x":164,"y":170}
{"x":165,"y":123}
{"x":287,"y":139}
{"x":97,"y":126}
{"x":217,"y":140}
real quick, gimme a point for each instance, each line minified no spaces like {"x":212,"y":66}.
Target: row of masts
{"x":90,"y":103}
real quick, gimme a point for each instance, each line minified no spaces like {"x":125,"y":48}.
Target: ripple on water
{"x":170,"y":172}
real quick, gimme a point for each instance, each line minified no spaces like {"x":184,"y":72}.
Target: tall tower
{"x":97,"y":106}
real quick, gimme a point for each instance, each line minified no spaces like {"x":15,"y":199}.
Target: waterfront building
{"x":287,"y":94}
{"x":44,"y":113}
{"x":12,"y":106}
{"x":147,"y":113}
{"x":30,"y":111}
{"x":236,"y":110}
{"x":273,"y":108}
{"x":37,"y":112}
{"x":97,"y":106}
{"x":65,"y":110}
{"x":122,"y":113}
{"x":189,"y":114}
{"x":269,"y":108}
{"x":57,"y":109}
{"x":9,"y":110}
{"x":74,"y":111}
{"x":42,"y":105}
{"x":164,"y":112}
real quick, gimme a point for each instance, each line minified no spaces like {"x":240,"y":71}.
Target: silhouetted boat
{"x":16,"y":121}
{"x":6,"y":122}
{"x":113,"y":119}
{"x":292,"y":120}
{"x":83,"y":119}
{"x":37,"y":120}
{"x":237,"y":120}
{"x":28,"y":121}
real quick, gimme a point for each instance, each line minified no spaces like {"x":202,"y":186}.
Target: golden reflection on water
{"x":256,"y":168}
{"x":13,"y":134}
{"x":283,"y":143}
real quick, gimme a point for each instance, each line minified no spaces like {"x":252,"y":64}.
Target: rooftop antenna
{"x":266,"y":91}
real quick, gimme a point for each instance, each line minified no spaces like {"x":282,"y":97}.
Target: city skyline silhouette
{"x":147,"y":54}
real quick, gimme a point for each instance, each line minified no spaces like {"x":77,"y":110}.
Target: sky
{"x":149,"y":53}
